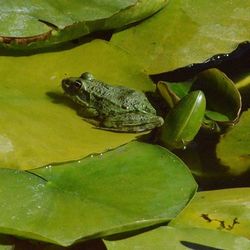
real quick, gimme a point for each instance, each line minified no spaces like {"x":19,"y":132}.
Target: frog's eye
{"x":71,"y":86}
{"x":87,"y":76}
{"x":77,"y":85}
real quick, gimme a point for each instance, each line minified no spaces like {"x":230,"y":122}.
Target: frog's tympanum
{"x":115,"y":108}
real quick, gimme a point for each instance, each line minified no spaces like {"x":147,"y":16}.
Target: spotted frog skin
{"x":115,"y":108}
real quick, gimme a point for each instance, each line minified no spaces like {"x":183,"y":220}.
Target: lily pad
{"x":32,"y":24}
{"x":233,"y":150}
{"x":186,"y":32}
{"x":181,"y":239}
{"x":226,"y":210}
{"x":135,"y":186}
{"x":36,"y":119}
{"x":243,"y":85}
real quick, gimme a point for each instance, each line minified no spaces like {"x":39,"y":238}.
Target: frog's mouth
{"x":77,"y":99}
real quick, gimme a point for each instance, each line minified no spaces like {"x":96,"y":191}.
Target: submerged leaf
{"x":181,"y":239}
{"x":226,"y":210}
{"x":38,"y":124}
{"x":132,"y":187}
{"x":186,"y":32}
{"x":234,"y":147}
{"x":183,"y":121}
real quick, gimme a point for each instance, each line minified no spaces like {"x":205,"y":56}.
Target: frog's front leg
{"x":90,"y":115}
{"x":131,"y":122}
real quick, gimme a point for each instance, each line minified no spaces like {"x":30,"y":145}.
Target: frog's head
{"x":77,"y":88}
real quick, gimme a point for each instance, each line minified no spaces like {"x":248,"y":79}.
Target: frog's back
{"x":120,"y":99}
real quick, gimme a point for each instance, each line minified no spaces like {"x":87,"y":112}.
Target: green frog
{"x":115,"y":108}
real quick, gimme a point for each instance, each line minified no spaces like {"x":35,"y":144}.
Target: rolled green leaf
{"x":183,"y":121}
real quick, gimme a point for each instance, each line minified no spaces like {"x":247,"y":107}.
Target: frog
{"x":110,"y":107}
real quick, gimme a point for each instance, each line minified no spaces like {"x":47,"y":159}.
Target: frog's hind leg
{"x":131,"y":122}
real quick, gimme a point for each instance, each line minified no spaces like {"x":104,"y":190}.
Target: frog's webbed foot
{"x":131,"y":122}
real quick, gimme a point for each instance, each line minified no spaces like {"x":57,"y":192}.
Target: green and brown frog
{"x":115,"y":108}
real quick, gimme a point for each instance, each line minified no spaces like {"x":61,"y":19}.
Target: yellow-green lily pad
{"x":233,"y":149}
{"x":181,"y":239}
{"x":38,"y":124}
{"x":186,"y":32}
{"x":226,"y":210}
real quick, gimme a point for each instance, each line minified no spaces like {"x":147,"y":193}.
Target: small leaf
{"x":226,"y":210}
{"x":181,"y":239}
{"x":233,"y":148}
{"x":183,"y":121}
{"x":223,"y":98}
{"x":167,"y":94}
{"x":132,"y":187}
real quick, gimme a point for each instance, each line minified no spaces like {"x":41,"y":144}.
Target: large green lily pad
{"x":226,"y":210}
{"x":186,"y":32}
{"x":38,"y":124}
{"x":181,"y":239}
{"x":32,"y":24}
{"x":132,"y":187}
{"x":233,"y":150}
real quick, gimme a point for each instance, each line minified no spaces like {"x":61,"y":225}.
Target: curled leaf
{"x":183,"y":121}
{"x":167,"y":94}
{"x":223,"y":98}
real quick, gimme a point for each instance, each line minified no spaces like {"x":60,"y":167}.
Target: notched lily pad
{"x":132,"y":187}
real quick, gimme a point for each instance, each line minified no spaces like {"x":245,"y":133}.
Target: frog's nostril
{"x":65,"y":84}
